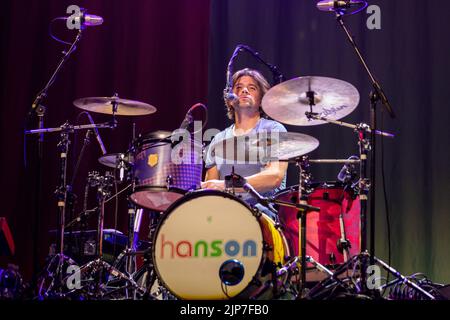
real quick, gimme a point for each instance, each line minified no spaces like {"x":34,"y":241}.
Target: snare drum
{"x":165,"y":170}
{"x":212,"y":245}
{"x":323,"y":228}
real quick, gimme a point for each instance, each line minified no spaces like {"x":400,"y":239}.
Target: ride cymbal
{"x":289,"y":102}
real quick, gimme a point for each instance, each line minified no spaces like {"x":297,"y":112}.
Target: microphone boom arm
{"x":277,"y":75}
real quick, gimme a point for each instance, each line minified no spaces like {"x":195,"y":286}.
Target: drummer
{"x":267,"y":178}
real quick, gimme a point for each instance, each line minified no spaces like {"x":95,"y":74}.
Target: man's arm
{"x":270,"y":178}
{"x":266,"y":180}
{"x":212,"y":174}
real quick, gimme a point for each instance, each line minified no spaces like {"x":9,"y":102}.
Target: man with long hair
{"x":267,"y":177}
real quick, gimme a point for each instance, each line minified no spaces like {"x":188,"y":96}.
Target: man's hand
{"x":213,"y":184}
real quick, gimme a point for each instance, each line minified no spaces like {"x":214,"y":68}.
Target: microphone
{"x":230,"y":96}
{"x":97,"y":135}
{"x":81,"y":19}
{"x":338,"y":5}
{"x":90,"y":20}
{"x":348,"y":171}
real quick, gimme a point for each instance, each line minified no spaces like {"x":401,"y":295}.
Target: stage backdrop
{"x":151,"y":51}
{"x":409,"y":56}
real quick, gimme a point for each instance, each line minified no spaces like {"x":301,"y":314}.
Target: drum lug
{"x":169,"y":182}
{"x":279,"y":226}
{"x":256,"y":212}
{"x":267,"y":247}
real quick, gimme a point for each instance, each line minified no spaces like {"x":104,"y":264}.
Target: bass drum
{"x":323,"y":229}
{"x":211,"y":245}
{"x":164,"y":171}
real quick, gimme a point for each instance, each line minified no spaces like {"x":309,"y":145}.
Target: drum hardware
{"x":38,"y":109}
{"x":128,"y":255}
{"x":237,"y":181}
{"x":97,"y":267}
{"x":376,"y":95}
{"x":64,"y":197}
{"x":333,"y":280}
{"x":86,"y":213}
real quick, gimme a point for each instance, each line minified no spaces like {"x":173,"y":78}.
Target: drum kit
{"x":207,"y":244}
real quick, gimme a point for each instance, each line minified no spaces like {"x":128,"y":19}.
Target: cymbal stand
{"x":364,"y":184}
{"x":56,"y":285}
{"x":304,"y":179}
{"x":303,"y":208}
{"x":63,"y":192}
{"x":365,"y":146}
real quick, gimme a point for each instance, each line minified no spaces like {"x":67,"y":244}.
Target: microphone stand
{"x":277,"y":76}
{"x":376,"y":95}
{"x":228,"y":87}
{"x":38,"y":109}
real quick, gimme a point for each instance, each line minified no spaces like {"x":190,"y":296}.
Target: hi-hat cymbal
{"x":123,"y":107}
{"x":263,"y":146}
{"x":288,"y":102}
{"x":112,"y":160}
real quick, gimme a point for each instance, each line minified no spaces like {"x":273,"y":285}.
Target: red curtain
{"x":147,"y":50}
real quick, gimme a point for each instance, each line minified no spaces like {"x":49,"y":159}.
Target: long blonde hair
{"x":262,"y":83}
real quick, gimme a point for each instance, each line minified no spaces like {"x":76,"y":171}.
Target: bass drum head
{"x":197,"y":236}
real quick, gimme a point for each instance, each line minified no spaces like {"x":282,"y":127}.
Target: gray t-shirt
{"x":243,"y":169}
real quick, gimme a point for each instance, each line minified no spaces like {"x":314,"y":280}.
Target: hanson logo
{"x":201,"y":248}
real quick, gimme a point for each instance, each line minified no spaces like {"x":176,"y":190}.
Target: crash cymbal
{"x":263,"y":146}
{"x":288,"y":101}
{"x":112,"y":160}
{"x":105,"y":105}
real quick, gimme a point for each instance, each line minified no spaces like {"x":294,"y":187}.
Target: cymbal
{"x":112,"y":160}
{"x":288,"y":101}
{"x":264,"y":146}
{"x":124,"y":107}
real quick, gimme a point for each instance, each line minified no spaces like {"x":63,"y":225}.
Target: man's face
{"x":248,"y":92}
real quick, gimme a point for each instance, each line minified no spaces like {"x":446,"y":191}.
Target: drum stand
{"x":56,"y":276}
{"x":97,"y":267}
{"x":128,"y":255}
{"x":364,"y":259}
{"x":64,"y":194}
